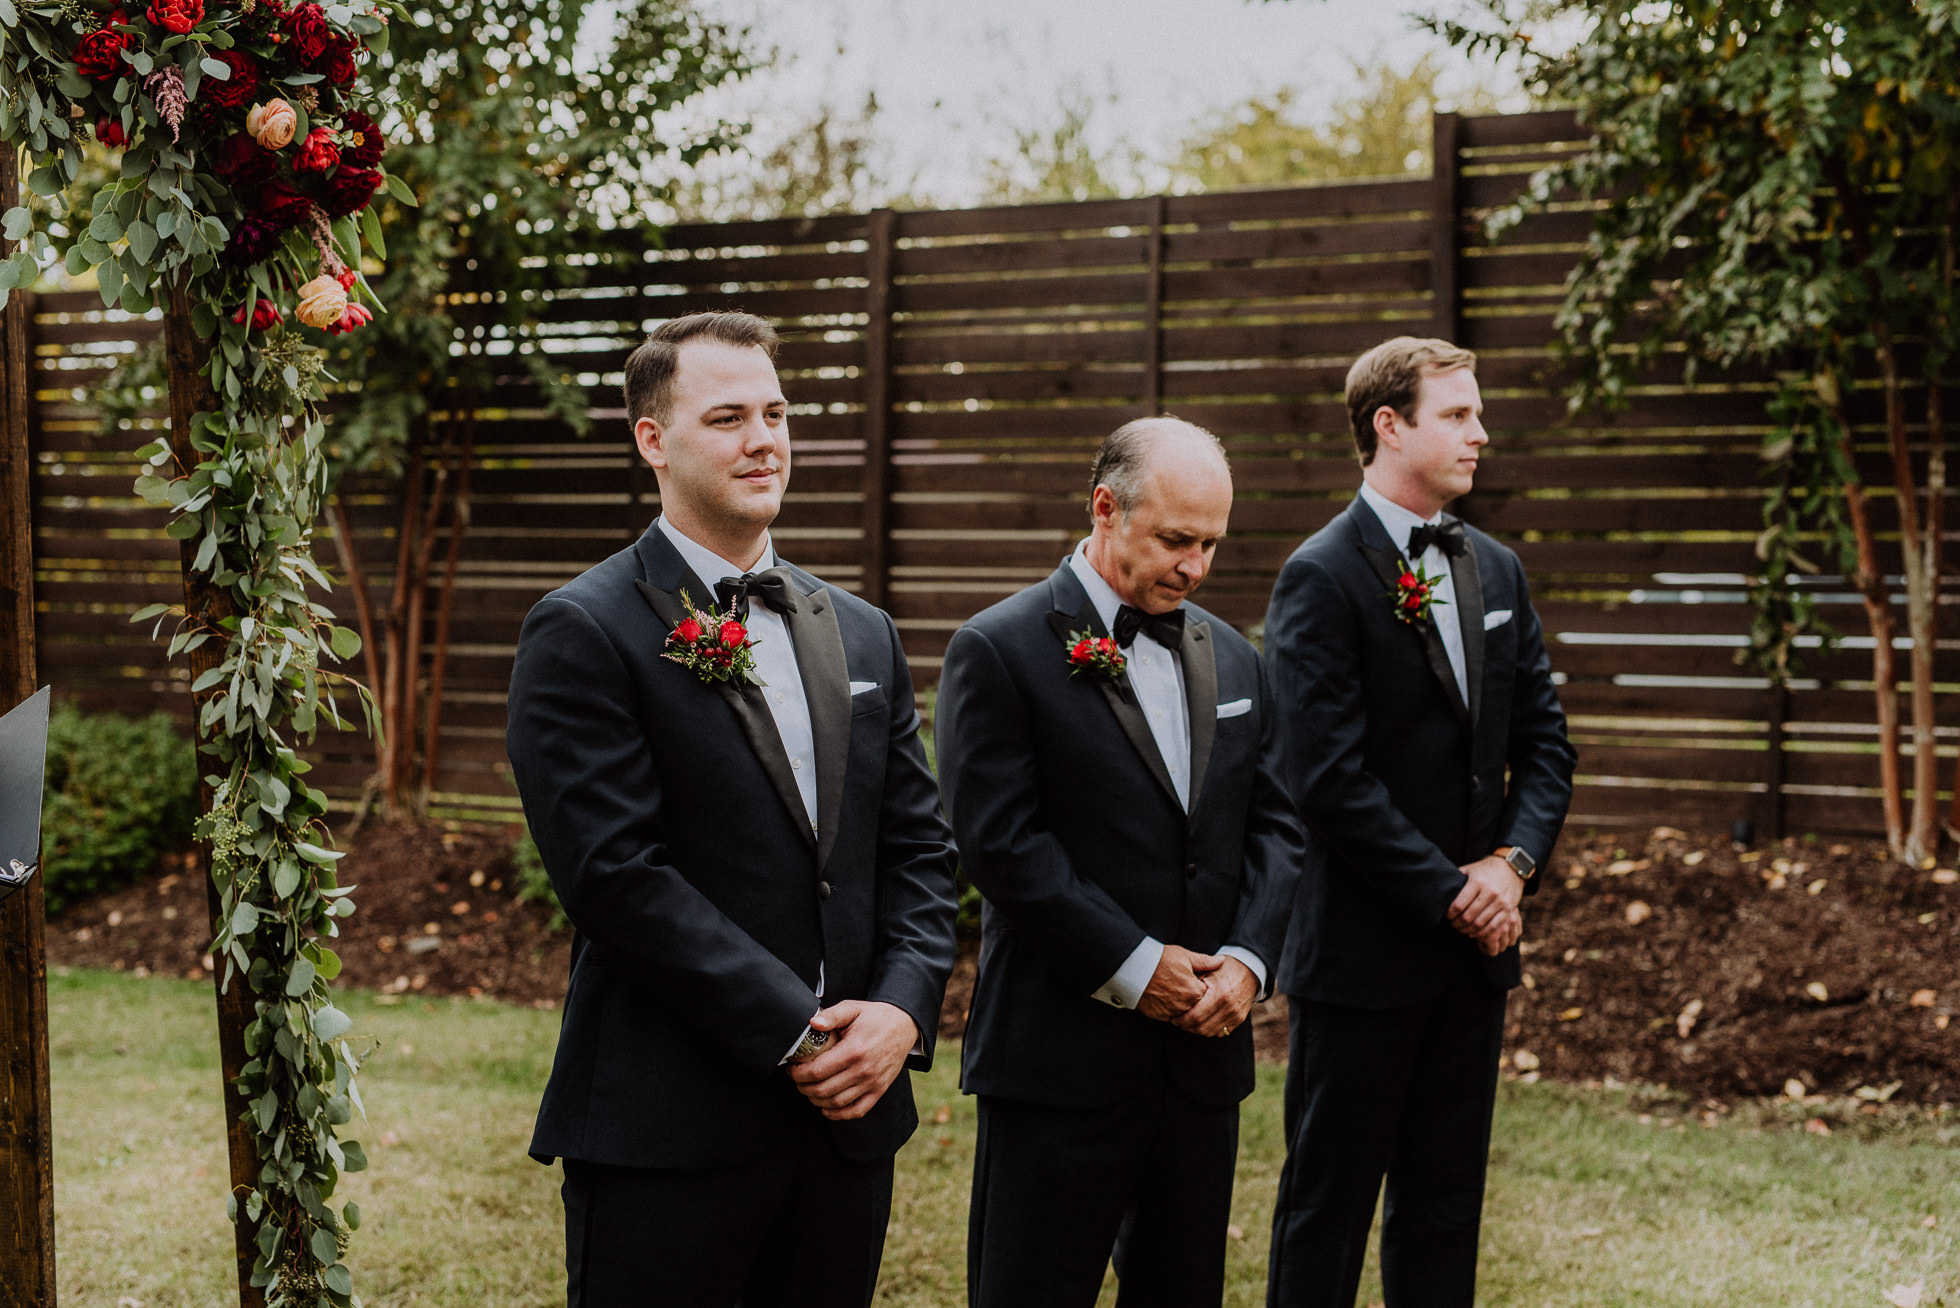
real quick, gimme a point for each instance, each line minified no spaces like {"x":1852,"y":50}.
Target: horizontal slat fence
{"x":950,"y":374}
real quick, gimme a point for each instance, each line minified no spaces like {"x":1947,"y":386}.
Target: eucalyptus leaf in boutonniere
{"x":714,"y":646}
{"x":1415,"y":594}
{"x":1097,"y":655}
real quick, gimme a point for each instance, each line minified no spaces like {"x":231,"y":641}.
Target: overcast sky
{"x":953,"y":77}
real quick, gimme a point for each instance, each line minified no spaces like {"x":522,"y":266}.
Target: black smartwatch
{"x":1522,"y":863}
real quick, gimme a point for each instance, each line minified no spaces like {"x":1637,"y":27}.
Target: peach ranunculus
{"x":321,"y":302}
{"x":272,"y":123}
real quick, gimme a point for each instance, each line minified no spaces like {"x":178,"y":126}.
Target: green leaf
{"x":345,"y":642}
{"x":330,"y":1023}
{"x":301,"y":979}
{"x":215,"y":68}
{"x":285,"y":878}
{"x":356,"y":1156}
{"x":149,"y":611}
{"x":324,"y":1249}
{"x":314,"y":854}
{"x":204,"y":320}
{"x":328,"y":962}
{"x":109,"y":278}
{"x":142,"y":240}
{"x":244,"y":920}
{"x":351,"y":1214}
{"x":19,"y":221}
{"x":44,"y":182}
{"x":106,"y":227}
{"x":399,"y":189}
{"x":337,"y":1277}
{"x":371,"y":232}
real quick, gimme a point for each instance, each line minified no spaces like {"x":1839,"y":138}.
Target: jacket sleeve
{"x":916,"y":905}
{"x":1275,"y":848}
{"x":987,"y":773}
{"x":1538,"y":752}
{"x":1314,"y":656}
{"x":593,"y":798}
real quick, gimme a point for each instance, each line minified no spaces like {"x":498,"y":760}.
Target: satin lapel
{"x":1201,"y":700}
{"x":1469,"y":586}
{"x":1388,"y":566}
{"x":826,"y":677}
{"x":750,"y":711}
{"x":1122,"y":701}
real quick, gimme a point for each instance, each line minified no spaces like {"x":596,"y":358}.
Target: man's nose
{"x":760,"y":436}
{"x":1192,"y":565}
{"x":1478,"y":436}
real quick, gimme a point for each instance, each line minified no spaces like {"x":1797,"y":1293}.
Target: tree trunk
{"x":459,"y":522}
{"x":205,"y":606}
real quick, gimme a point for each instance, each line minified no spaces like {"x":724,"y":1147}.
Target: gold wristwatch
{"x":814,"y":1042}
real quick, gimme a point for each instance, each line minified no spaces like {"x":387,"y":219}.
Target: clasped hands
{"x":1205,"y":994}
{"x":871,"y":1045}
{"x":1486,"y":909}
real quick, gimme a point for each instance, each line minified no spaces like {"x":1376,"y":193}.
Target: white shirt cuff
{"x":1252,"y":961}
{"x":1125,"y":989}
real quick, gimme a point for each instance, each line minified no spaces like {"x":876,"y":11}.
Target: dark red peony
{"x":242,"y":163}
{"x":307,"y":28}
{"x":317,"y":153}
{"x":178,"y":16}
{"x":99,"y":54}
{"x":350,"y":190}
{"x":282,"y":206}
{"x":338,"y":65}
{"x":236,"y":91}
{"x":109,"y":131}
{"x":361,"y":142}
{"x":253,"y":241}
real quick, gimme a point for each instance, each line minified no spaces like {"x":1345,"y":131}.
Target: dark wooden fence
{"x":951,"y":372}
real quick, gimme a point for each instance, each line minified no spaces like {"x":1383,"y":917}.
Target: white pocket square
{"x":1496,"y":618}
{"x":859,"y":687}
{"x":1235,"y":709}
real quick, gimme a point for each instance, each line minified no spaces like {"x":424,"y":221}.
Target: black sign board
{"x":23,"y":765}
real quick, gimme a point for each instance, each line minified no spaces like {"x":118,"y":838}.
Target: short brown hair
{"x":1391,"y":374}
{"x":650,"y":369}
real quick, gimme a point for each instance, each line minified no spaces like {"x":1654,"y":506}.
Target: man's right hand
{"x":1486,"y":909}
{"x":1175,"y":985}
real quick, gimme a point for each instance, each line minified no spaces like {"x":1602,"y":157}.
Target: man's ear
{"x":651,"y":442}
{"x":1102,"y":506}
{"x":1388,"y":428}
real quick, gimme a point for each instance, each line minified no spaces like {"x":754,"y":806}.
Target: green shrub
{"x":120,"y":792}
{"x":533,"y":882}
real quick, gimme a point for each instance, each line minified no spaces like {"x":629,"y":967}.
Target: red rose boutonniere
{"x":1415,"y":594}
{"x":1094,"y":654}
{"x":713,"y":646}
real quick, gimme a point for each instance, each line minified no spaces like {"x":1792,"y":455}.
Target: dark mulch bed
{"x":1661,"y":958}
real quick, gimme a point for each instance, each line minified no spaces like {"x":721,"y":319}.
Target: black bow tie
{"x":771,"y":587}
{"x":1446,"y":536}
{"x":1167,"y":629}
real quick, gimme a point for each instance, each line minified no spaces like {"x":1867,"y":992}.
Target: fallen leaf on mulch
{"x":1795,"y":1088}
{"x":1923,"y":998}
{"x":1818,"y":991}
{"x":1638,"y":911}
{"x":1905,"y":1296}
{"x":1817,"y":1126}
{"x":1685,"y":1023}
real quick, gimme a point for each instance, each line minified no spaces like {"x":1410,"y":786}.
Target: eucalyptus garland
{"x":245,"y":174}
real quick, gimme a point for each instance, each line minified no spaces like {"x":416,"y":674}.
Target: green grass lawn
{"x":1597,"y":1197}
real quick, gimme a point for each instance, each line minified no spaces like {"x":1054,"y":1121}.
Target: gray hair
{"x":1123,"y":461}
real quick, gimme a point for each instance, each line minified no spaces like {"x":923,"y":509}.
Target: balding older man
{"x":1109,"y":761}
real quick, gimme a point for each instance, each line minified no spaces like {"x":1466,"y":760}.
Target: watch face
{"x":1521,"y":862}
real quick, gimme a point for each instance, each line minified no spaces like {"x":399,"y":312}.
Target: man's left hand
{"x":871,"y":1045}
{"x":1230,"y":988}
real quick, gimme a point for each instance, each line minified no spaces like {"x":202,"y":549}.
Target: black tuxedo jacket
{"x":704,"y":904}
{"x":1400,"y":781}
{"x":1068,"y":825}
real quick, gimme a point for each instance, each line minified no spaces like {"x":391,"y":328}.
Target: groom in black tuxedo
{"x":1109,"y":759}
{"x":1427,"y":750}
{"x":758,"y":874}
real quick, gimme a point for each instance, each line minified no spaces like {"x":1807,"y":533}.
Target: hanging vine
{"x":247,"y":173}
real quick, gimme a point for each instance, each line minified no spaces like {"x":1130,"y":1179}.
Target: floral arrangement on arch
{"x":243,"y":149}
{"x":246,"y":171}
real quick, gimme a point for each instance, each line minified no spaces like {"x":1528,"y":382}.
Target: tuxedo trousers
{"x":1404,"y":1094}
{"x":1058,"y":1191}
{"x":799,"y":1226}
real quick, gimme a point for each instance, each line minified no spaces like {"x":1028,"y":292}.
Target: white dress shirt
{"x":775,"y":658}
{"x":1449,"y":620}
{"x":1157,"y":677}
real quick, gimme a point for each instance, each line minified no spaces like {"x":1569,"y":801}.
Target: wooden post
{"x":881,"y":235}
{"x":1446,"y":222}
{"x":1153,"y":314}
{"x":190,"y":393}
{"x":26,"y":1123}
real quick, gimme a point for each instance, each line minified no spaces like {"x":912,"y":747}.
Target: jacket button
{"x":1190,"y":869}
{"x":1476,"y":784}
{"x":823,"y":890}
